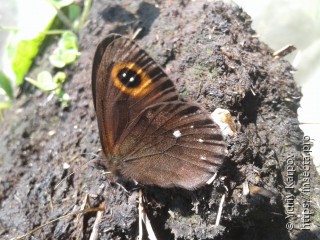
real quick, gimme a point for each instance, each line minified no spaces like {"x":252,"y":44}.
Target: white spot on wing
{"x":131,"y":79}
{"x":191,"y":126}
{"x":203,"y":158}
{"x":200,"y":140}
{"x":177,"y":134}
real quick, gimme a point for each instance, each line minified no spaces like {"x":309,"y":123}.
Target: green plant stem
{"x":47,"y":32}
{"x":87,"y":6}
{"x":64,"y":19}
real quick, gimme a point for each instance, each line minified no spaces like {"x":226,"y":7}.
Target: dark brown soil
{"x":210,"y":51}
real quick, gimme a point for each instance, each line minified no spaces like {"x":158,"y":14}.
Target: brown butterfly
{"x":147,"y":134}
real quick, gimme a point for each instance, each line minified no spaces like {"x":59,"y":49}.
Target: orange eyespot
{"x":131,"y":79}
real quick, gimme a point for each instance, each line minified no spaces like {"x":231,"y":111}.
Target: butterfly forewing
{"x":117,"y":103}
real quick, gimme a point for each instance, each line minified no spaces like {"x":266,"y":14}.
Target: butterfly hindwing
{"x":171,"y":144}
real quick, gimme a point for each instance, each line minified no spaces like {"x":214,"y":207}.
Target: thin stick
{"x":140,"y":209}
{"x":220,"y":209}
{"x":95,"y":229}
{"x":150,"y":231}
{"x":136,"y":33}
{"x":146,"y":220}
{"x":212,"y":179}
{"x":76,"y":170}
{"x":82,"y":207}
{"x":57,"y":219}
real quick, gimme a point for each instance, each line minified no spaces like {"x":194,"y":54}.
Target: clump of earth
{"x":213,"y":56}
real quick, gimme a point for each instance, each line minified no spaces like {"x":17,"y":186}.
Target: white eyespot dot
{"x":131,"y":79}
{"x":124,"y":75}
{"x":191,"y":126}
{"x":177,"y":134}
{"x":203,"y":158}
{"x":200,"y":140}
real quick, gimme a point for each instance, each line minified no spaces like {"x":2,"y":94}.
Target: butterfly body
{"x":147,"y":133}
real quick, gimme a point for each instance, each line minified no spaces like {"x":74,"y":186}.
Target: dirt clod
{"x":210,"y":51}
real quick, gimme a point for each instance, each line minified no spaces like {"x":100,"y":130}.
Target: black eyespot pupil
{"x":129,"y":78}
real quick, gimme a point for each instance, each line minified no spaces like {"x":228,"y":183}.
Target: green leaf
{"x":24,"y":53}
{"x":68,"y":41}
{"x":24,"y":44}
{"x":74,"y":12}
{"x":44,"y":82}
{"x":47,"y":83}
{"x":66,"y":52}
{"x":5,"y":84}
{"x":64,"y":98}
{"x":4,"y":105}
{"x":59,"y":78}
